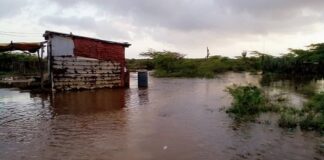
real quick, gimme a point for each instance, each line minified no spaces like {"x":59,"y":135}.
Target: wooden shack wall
{"x":71,"y":73}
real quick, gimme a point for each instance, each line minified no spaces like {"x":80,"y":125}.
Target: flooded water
{"x":172,"y":119}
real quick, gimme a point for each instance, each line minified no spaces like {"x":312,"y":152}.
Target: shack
{"x":77,"y":62}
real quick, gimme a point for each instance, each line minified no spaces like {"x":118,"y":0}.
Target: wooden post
{"x":40,"y":64}
{"x":50,"y":60}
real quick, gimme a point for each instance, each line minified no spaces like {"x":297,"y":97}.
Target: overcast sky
{"x":227,"y":27}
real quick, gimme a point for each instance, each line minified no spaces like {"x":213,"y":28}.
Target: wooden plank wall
{"x":71,"y":73}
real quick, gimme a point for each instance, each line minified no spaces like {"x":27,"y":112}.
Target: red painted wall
{"x":103,"y":51}
{"x":99,"y":50}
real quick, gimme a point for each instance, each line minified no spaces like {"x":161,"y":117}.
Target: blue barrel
{"x":142,"y":78}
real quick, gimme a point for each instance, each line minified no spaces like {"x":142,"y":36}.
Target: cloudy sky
{"x":227,"y":27}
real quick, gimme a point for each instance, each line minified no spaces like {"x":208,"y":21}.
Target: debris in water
{"x":165,"y":147}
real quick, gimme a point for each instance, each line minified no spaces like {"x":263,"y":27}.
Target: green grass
{"x":249,"y":101}
{"x":288,"y":119}
{"x":311,"y":121}
{"x":316,"y":103}
{"x":313,"y":113}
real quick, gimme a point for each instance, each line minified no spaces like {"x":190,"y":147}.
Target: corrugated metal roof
{"x":48,"y":33}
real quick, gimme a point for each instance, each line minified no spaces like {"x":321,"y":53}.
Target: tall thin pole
{"x":207,"y":53}
{"x":40,"y":65}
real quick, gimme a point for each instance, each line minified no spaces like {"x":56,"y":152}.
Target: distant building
{"x":77,"y":62}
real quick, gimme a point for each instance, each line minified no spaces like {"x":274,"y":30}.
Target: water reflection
{"x":143,"y":96}
{"x":304,"y":85}
{"x":87,"y":102}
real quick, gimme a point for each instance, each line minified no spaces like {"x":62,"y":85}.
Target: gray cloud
{"x":74,"y":22}
{"x":10,"y":8}
{"x":181,"y":25}
{"x":258,"y":16}
{"x":190,"y":25}
{"x":104,"y":28}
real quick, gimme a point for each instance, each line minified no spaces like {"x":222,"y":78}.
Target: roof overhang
{"x":22,"y":46}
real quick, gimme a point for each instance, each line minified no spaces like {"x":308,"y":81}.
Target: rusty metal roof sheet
{"x":48,"y":33}
{"x":22,"y":46}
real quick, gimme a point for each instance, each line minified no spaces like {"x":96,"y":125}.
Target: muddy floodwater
{"x":174,"y":118}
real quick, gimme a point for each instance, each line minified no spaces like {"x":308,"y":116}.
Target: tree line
{"x":172,"y":64}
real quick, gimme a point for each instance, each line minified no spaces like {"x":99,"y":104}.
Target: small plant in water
{"x":247,"y":100}
{"x":313,"y":113}
{"x":288,"y":119}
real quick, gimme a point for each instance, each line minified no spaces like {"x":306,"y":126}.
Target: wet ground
{"x":172,"y":119}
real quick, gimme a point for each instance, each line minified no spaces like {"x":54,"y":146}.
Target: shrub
{"x":19,"y":63}
{"x":312,"y":121}
{"x":313,"y":113}
{"x":247,"y":100}
{"x":250,"y":100}
{"x":173,"y":64}
{"x":316,"y":103}
{"x":288,"y":119}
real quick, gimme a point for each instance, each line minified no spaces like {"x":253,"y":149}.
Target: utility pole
{"x":207,"y":53}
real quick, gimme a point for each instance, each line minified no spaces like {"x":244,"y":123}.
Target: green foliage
{"x":316,"y":103}
{"x":173,"y":64}
{"x":247,"y":100}
{"x":168,"y":61}
{"x":288,"y":119}
{"x":312,"y":121}
{"x":298,"y":61}
{"x":311,"y":117}
{"x":6,"y":56}
{"x":313,"y":113}
{"x":17,"y":63}
{"x":135,"y":64}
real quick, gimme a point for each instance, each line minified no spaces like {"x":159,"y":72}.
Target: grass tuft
{"x":288,"y":119}
{"x":249,"y":101}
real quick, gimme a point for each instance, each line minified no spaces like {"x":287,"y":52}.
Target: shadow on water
{"x":87,"y":102}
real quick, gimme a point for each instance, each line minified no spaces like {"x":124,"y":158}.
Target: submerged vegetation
{"x":289,"y":118}
{"x":249,"y":101}
{"x":313,"y":113}
{"x":310,"y":117}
